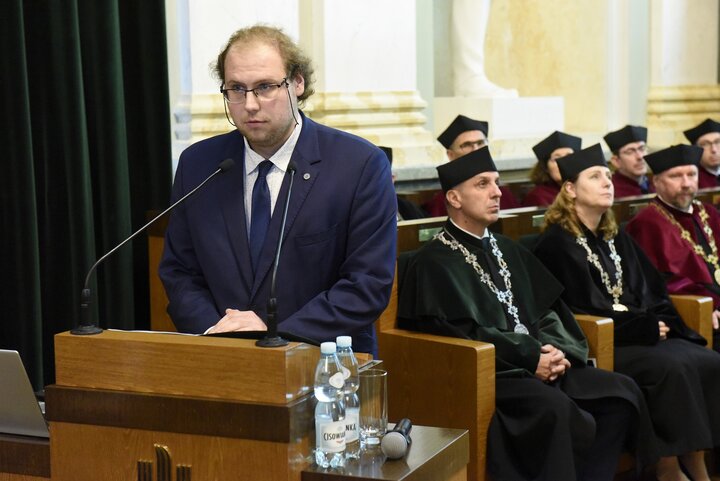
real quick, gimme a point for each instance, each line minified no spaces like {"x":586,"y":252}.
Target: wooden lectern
{"x":165,"y":407}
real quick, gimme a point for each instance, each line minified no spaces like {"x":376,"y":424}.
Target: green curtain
{"x":86,"y":121}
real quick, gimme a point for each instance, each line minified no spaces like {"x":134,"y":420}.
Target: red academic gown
{"x":706,"y":179}
{"x":435,"y":207}
{"x":542,"y":195}
{"x":626,"y":187}
{"x":661,"y":242}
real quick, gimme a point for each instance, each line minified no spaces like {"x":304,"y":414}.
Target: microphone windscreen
{"x":226,"y":165}
{"x":291,"y":166}
{"x":394,"y":445}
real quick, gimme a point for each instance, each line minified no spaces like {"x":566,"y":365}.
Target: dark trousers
{"x":610,"y":415}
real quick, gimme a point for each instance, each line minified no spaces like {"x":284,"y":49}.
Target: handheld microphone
{"x":395,"y":443}
{"x":272,"y":339}
{"x":87,"y":324}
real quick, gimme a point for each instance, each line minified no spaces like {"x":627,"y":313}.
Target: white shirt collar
{"x":485,"y":234}
{"x":715,"y":171}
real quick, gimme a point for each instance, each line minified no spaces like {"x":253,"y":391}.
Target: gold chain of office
{"x":504,"y":296}
{"x":614,"y":290}
{"x":711,"y":258}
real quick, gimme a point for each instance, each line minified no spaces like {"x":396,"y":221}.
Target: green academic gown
{"x":539,"y":430}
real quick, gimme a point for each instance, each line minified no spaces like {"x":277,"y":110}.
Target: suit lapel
{"x":233,"y":208}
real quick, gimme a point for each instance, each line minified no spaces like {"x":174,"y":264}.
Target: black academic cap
{"x":458,"y":126}
{"x":707,"y":126}
{"x":388,"y":152}
{"x":461,"y":169}
{"x":571,"y":165}
{"x":627,"y":135}
{"x":674,"y":156}
{"x":557,"y":139}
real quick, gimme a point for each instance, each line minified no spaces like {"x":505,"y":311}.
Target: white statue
{"x":469,"y":26}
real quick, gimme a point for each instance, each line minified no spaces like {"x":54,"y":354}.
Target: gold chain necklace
{"x":614,"y":290}
{"x":505,"y":297}
{"x":711,"y":258}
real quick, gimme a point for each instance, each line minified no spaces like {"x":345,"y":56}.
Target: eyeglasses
{"x":472,"y":145}
{"x":642,"y":150}
{"x":263,"y":92}
{"x":715,"y":143}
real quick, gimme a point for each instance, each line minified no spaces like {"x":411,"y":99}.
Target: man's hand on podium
{"x":235,"y":320}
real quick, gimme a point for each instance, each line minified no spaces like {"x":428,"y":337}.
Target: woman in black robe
{"x":606,"y":274}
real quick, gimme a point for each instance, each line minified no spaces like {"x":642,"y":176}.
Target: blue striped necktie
{"x":260,"y":212}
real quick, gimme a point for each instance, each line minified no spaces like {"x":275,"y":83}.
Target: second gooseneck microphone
{"x":88,"y":325}
{"x":272,"y":339}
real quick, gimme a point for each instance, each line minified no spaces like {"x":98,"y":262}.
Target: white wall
{"x":213,"y":21}
{"x":370,"y":46}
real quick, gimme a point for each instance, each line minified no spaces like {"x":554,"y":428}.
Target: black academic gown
{"x":407,"y":210}
{"x":539,"y":430}
{"x":677,"y":376}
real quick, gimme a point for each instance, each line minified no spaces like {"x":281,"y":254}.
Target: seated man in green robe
{"x":556,"y":418}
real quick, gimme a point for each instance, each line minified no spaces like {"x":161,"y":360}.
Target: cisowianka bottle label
{"x":332,"y":436}
{"x":337,"y":380}
{"x":351,"y":425}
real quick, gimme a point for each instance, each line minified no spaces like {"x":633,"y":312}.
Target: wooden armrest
{"x":601,"y":338}
{"x":696,"y":311}
{"x":442,"y":381}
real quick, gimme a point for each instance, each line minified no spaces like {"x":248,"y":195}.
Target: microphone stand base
{"x":87,"y":330}
{"x":275,"y":341}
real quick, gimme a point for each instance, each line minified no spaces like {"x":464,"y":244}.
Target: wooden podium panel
{"x":24,"y":458}
{"x":218,"y":408}
{"x":81,"y":452}
{"x":198,"y":366}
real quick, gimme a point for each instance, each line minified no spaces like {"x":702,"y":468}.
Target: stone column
{"x":684,"y":68}
{"x":365,"y":63}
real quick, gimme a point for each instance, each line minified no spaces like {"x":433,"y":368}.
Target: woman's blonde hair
{"x":562,"y":212}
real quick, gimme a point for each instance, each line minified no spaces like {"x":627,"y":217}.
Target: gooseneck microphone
{"x":272,"y":339}
{"x":87,"y":323}
{"x":395,"y":443}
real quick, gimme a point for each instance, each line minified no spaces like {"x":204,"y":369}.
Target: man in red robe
{"x":465,"y":135}
{"x":679,"y":234}
{"x":628,"y":158}
{"x":707,"y":136}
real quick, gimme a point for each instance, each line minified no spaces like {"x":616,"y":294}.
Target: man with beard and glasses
{"x":678,"y":233}
{"x":338,"y":258}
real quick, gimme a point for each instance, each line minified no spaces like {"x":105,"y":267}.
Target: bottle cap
{"x":344,"y":341}
{"x":328,"y":348}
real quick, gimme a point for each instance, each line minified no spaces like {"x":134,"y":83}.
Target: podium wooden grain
{"x":228,"y":409}
{"x":24,"y":458}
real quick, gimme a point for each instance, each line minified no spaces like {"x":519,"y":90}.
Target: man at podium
{"x":337,"y":261}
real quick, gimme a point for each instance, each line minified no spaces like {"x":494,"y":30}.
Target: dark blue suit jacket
{"x":338,"y":257}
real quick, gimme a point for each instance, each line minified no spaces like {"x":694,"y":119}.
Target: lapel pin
{"x":306,"y":176}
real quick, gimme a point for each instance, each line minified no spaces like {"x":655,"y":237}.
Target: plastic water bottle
{"x":349,"y":366}
{"x":330,"y":411}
